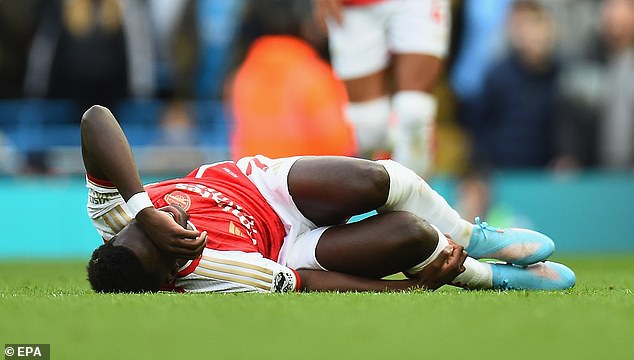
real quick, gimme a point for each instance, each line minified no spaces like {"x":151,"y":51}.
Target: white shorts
{"x":369,"y":34}
{"x":270,"y":176}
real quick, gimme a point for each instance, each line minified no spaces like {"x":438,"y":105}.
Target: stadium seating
{"x":53,"y":126}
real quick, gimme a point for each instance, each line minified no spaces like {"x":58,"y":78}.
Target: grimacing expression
{"x":152,"y":259}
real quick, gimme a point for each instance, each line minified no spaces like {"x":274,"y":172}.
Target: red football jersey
{"x":221,"y":200}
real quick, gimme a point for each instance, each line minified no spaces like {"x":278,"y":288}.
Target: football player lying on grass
{"x":277,"y":225}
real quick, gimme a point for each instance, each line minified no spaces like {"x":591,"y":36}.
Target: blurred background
{"x":535,"y":126}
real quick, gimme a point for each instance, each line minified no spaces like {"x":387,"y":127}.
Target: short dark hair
{"x":116,"y":269}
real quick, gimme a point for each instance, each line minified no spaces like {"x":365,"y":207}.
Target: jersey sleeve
{"x":237,"y":271}
{"x":106,"y":208}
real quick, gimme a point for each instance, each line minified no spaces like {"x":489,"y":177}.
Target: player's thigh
{"x":329,"y":189}
{"x":358,"y":46}
{"x":378,"y":246}
{"x":419,"y":39}
{"x":419,"y":26}
{"x":416,"y":72}
{"x":368,"y":87}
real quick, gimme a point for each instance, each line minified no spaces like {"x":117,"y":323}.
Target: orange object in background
{"x":287,"y":101}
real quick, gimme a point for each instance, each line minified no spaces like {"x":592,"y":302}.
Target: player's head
{"x":531,"y":31}
{"x":617,"y":24}
{"x":130,"y":262}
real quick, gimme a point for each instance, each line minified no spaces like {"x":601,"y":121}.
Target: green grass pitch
{"x":51,"y":303}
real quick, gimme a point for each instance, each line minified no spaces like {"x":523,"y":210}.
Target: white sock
{"x":443,"y":245}
{"x":370,"y":120}
{"x":415,"y":113}
{"x":478,"y":275}
{"x":409,"y":192}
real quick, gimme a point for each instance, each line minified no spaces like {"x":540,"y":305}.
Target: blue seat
{"x":35,"y":124}
{"x":146,"y":111}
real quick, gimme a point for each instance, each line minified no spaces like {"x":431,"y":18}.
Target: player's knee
{"x":415,"y":109}
{"x":375,"y":180}
{"x":416,"y":234}
{"x":370,"y":119}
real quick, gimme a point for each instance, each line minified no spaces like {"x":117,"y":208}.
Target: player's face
{"x":153,"y":259}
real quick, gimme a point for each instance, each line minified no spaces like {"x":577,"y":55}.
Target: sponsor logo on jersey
{"x":224,"y":203}
{"x":233,"y":229}
{"x":178,"y":198}
{"x":98,"y":198}
{"x":228,"y":171}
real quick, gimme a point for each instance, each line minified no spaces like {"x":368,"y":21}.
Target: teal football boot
{"x":516,"y":246}
{"x":545,"y":275}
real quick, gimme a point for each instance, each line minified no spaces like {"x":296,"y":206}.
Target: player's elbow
{"x":93,"y":114}
{"x":93,"y":120}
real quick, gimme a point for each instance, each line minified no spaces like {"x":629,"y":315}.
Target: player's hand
{"x":325,"y":9}
{"x":169,"y":236}
{"x":445,"y":268}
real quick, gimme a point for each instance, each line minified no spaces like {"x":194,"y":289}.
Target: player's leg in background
{"x":369,"y":112}
{"x":360,"y":57}
{"x":415,"y":109}
{"x":419,"y":36}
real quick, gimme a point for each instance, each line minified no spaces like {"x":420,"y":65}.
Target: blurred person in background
{"x":285,"y":99}
{"x":577,"y":22}
{"x":482,"y":43}
{"x":373,"y":39}
{"x":175,"y":31}
{"x":219,"y":23}
{"x":80,"y":53}
{"x":514,"y":124}
{"x":596,"y":119}
{"x":476,"y":199}
{"x":105,"y":50}
{"x":177,"y":125}
{"x":18,"y":23}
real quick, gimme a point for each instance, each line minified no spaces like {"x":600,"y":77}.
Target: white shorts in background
{"x":362,"y":45}
{"x":270,"y":176}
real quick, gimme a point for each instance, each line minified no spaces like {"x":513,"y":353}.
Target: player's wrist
{"x":286,"y":280}
{"x":298,"y":281}
{"x":139,"y":202}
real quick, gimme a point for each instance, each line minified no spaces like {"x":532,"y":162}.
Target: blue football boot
{"x":516,"y":246}
{"x":545,"y":275}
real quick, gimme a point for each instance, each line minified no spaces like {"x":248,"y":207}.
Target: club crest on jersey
{"x":178,"y":198}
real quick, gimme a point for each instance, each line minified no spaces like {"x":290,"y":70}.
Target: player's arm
{"x":107,"y":156}
{"x":440,"y":272}
{"x":316,"y":280}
